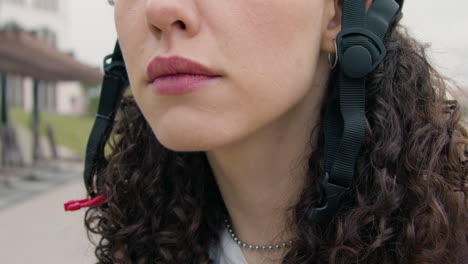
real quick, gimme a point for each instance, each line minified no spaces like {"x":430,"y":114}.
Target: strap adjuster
{"x":331,"y":195}
{"x":114,"y":66}
{"x":365,"y":53}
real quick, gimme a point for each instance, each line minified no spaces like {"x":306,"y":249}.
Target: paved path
{"x":40,"y":231}
{"x":28,"y":182}
{"x":34,"y":227}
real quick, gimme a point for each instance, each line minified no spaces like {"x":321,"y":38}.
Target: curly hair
{"x":407,"y":204}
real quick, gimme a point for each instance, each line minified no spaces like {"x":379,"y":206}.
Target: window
{"x":47,"y":35}
{"x":15,"y":90}
{"x":48,"y":96}
{"x":17,"y":2}
{"x":49,"y":5}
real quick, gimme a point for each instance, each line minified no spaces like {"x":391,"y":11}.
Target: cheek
{"x":129,"y":26}
{"x":274,"y":55}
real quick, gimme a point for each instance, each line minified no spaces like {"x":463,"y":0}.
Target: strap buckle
{"x":329,"y":201}
{"x":113,"y":67}
{"x":365,"y":53}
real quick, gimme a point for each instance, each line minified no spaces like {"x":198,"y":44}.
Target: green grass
{"x":70,"y":131}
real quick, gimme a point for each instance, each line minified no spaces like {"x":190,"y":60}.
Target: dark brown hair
{"x":407,"y":205}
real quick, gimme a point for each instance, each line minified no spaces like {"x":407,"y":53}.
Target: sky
{"x":442,"y":24}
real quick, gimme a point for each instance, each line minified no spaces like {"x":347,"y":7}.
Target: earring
{"x":335,"y":60}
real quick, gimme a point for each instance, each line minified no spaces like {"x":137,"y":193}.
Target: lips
{"x":160,"y":67}
{"x":176,"y":75}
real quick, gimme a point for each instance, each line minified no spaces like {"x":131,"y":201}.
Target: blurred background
{"x":51,"y":54}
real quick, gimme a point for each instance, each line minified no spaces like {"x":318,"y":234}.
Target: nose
{"x":169,"y":16}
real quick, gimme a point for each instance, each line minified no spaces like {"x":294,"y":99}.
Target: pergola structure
{"x":22,"y":53}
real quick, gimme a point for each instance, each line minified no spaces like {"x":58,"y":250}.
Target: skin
{"x":254,"y":122}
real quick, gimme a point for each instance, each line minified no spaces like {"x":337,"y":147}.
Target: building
{"x":49,"y":21}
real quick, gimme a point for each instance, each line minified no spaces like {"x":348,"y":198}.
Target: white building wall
{"x":72,"y":98}
{"x":28,"y":94}
{"x":29,"y":16}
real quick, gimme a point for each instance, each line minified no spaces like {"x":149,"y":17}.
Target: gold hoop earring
{"x":335,"y":60}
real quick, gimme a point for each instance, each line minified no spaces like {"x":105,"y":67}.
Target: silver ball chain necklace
{"x":255,"y":247}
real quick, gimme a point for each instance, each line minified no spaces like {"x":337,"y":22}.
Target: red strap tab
{"x":74,"y":205}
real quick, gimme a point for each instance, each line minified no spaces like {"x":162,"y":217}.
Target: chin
{"x":183,"y":144}
{"x":187,"y":131}
{"x":189,"y":139}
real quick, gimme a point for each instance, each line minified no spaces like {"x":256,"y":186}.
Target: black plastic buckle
{"x":357,"y":61}
{"x":329,"y":201}
{"x":400,"y":3}
{"x":114,"y":67}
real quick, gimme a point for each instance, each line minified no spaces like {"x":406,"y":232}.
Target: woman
{"x":226,"y":164}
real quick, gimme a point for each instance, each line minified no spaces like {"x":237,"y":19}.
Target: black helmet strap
{"x":360,"y":49}
{"x":114,"y":83}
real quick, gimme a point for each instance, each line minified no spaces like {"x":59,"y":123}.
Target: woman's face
{"x":267,"y":52}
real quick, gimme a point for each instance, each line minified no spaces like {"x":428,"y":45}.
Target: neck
{"x":262,"y":176}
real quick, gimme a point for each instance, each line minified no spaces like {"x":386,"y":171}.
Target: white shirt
{"x":228,"y":251}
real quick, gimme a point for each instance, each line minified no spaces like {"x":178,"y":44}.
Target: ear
{"x":332,"y":25}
